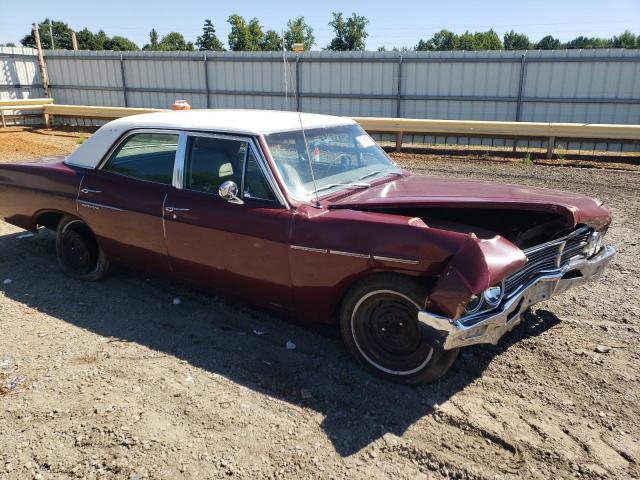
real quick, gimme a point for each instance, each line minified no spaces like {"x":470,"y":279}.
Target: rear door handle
{"x":176,"y":209}
{"x":88,"y":190}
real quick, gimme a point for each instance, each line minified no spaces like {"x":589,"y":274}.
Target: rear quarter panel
{"x":28,"y":189}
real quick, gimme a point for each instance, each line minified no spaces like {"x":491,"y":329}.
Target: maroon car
{"x":307,"y":215}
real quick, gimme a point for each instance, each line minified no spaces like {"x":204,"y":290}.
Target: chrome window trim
{"x":180,"y":159}
{"x":257,"y":153}
{"x":128,"y":134}
{"x":178,"y":164}
{"x":313,"y":195}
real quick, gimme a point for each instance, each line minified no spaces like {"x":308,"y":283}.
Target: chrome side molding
{"x":342,"y":253}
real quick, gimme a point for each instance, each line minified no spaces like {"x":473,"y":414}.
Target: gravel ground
{"x":114,"y":380}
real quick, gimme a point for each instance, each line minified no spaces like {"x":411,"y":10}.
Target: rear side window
{"x":145,"y":156}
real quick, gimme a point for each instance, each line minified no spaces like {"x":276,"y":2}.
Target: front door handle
{"x":176,"y":209}
{"x":88,"y":190}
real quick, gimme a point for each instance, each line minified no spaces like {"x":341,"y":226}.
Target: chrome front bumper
{"x":488,"y":327}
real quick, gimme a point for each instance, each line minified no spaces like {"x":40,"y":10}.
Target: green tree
{"x":87,"y":40}
{"x":121,"y":44}
{"x":61,"y":36}
{"x":583,"y":42}
{"x":298,"y":32}
{"x":245,"y":36}
{"x":174,"y":41}
{"x":271,"y":41}
{"x":153,"y":41}
{"x":488,"y":40}
{"x":625,"y":40}
{"x":466,"y":41}
{"x":516,"y":41}
{"x":8,"y":44}
{"x":442,"y":40}
{"x":548,"y":43}
{"x":208,"y":40}
{"x":101,"y":40}
{"x":350,"y":34}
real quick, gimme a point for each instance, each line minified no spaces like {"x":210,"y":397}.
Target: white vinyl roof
{"x":242,"y":122}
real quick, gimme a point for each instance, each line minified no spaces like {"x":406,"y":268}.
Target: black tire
{"x":78,"y":251}
{"x":379,"y":325}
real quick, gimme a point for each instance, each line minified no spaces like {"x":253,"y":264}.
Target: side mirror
{"x":229,"y":191}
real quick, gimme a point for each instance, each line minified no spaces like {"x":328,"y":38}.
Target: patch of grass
{"x":527,"y":160}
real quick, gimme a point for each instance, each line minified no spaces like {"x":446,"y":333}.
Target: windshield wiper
{"x":352,"y":185}
{"x":376,"y":172}
{"x":370,"y":174}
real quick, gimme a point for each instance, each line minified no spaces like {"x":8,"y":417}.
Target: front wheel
{"x":380,"y":327}
{"x":78,"y":251}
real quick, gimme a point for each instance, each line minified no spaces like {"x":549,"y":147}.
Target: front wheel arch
{"x":427,"y":284}
{"x":404,"y":353}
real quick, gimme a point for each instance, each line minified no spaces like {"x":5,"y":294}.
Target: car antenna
{"x":304,"y":136}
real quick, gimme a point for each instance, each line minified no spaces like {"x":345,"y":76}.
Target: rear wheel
{"x":380,"y":327}
{"x":78,"y":251}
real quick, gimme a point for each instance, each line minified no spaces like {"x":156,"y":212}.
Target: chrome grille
{"x":547,"y":257}
{"x":575,"y":244}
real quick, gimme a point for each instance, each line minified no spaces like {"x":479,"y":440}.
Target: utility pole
{"x":74,"y":40}
{"x":43,"y":70}
{"x":53,"y":47}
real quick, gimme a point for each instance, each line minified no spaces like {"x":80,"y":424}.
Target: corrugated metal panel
{"x":558,"y":76}
{"x":596,"y":86}
{"x":20,"y":77}
{"x":349,"y":107}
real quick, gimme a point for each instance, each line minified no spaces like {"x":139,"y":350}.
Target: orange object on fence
{"x":180,"y":105}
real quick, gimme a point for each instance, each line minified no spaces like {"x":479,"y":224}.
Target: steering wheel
{"x":346,"y":158}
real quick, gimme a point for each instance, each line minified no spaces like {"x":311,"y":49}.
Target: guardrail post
{"x":206,"y":79}
{"x":550,"y":146}
{"x":4,"y":123}
{"x":124,"y":81}
{"x":399,"y":136}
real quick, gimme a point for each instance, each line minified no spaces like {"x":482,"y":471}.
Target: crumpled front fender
{"x":476,"y":266}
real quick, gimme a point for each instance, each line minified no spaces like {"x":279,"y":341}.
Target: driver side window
{"x":211,"y":161}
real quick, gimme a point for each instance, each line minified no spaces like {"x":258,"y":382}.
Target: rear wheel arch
{"x":78,"y":250}
{"x":49,"y":219}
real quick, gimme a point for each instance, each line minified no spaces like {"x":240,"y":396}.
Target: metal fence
{"x":575,"y":86}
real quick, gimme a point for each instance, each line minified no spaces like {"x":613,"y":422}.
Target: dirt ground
{"x":114,"y":380}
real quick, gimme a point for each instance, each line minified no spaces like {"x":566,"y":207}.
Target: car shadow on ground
{"x":244,"y":345}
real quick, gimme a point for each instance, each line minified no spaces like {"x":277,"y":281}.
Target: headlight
{"x":493,"y":295}
{"x":474,"y":304}
{"x":594,"y":244}
{"x":486,"y":300}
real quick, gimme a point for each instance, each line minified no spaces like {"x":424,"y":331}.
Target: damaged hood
{"x":440,"y":192}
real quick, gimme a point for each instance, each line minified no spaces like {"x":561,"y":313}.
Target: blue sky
{"x":400,"y":23}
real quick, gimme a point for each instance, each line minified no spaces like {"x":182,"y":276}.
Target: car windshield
{"x":341,"y":157}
